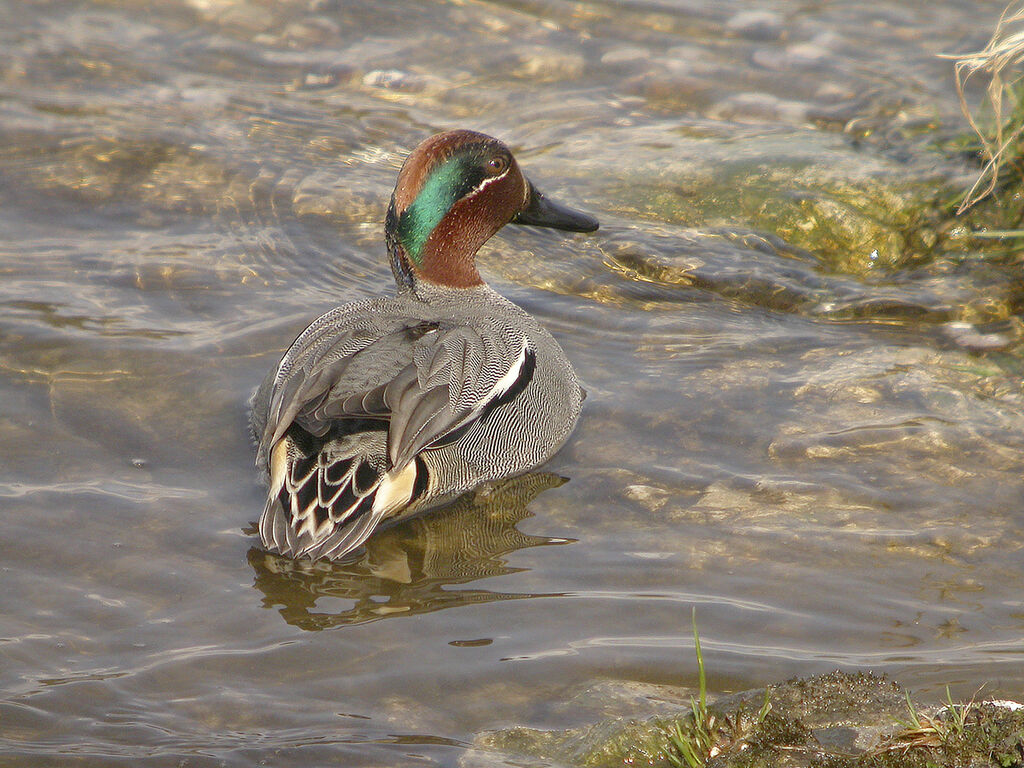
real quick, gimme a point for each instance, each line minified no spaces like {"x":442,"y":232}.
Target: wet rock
{"x":834,"y":93}
{"x":624,"y":56}
{"x":762,"y":107}
{"x":395,"y":80}
{"x":625,"y":698}
{"x":756,"y":25}
{"x":969,"y":336}
{"x":314,"y":31}
{"x":666,"y":89}
{"x":838,"y":719}
{"x":854,"y":407}
{"x":546,"y":65}
{"x":314,"y":80}
{"x":860,"y":213}
{"x":686,"y":53}
{"x":781,"y":277}
{"x":242,"y":20}
{"x":649,"y":496}
{"x":798,"y":57}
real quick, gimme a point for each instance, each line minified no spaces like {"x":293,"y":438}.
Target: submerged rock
{"x":756,"y":25}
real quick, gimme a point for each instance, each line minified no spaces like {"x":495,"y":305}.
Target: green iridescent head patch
{"x":448,"y":182}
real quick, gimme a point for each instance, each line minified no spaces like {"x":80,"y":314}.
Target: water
{"x":788,"y":433}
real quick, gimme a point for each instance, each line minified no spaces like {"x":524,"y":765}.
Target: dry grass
{"x":929,"y":731}
{"x":1000,"y":61}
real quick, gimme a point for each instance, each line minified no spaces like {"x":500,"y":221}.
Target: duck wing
{"x":457,"y":374}
{"x":428,"y":379}
{"x":421,"y":384}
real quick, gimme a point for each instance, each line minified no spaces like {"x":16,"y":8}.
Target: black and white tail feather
{"x":326,"y":498}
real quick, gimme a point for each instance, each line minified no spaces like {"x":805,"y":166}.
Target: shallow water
{"x":784,"y":425}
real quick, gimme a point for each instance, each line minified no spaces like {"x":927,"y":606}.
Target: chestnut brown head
{"x":455,"y":190}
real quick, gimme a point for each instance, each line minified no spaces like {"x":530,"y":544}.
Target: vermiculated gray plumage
{"x":461,"y":385}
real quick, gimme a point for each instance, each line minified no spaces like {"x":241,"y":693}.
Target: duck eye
{"x":497,"y":165}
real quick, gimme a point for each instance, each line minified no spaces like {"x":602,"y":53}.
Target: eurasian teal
{"x":388,"y":406}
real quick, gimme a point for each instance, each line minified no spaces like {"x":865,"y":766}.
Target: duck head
{"x":454,"y":191}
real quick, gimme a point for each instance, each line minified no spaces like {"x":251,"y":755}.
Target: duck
{"x":393,"y":405}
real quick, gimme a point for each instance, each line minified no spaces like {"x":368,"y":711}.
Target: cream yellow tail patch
{"x":395,"y":490}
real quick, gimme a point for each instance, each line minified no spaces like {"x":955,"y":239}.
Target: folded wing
{"x":353,"y":408}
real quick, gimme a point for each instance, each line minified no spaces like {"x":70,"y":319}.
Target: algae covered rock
{"x":838,"y":720}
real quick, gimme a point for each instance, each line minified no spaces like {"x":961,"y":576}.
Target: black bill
{"x":541,"y":212}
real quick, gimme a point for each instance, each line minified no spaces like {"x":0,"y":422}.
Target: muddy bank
{"x":837,"y":720}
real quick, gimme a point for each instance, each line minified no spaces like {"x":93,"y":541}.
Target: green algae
{"x":852,"y":229}
{"x":858,"y":225}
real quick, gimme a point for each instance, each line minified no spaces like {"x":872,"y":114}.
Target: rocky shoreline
{"x":837,"y":720}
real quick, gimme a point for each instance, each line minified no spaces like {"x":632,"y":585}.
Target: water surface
{"x":784,"y":427}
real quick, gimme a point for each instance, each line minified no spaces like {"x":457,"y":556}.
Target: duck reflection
{"x":409,"y":568}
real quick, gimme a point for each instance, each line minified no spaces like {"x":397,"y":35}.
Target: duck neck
{"x":401,"y":266}
{"x":446,"y":255}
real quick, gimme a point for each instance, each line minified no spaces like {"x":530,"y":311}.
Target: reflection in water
{"x":406,"y":569}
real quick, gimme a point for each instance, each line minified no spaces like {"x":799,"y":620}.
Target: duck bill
{"x":541,"y":212}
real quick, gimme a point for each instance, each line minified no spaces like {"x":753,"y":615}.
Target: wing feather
{"x":464,"y":371}
{"x":427,"y":379}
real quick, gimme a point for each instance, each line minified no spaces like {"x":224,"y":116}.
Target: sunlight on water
{"x":804,"y":412}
